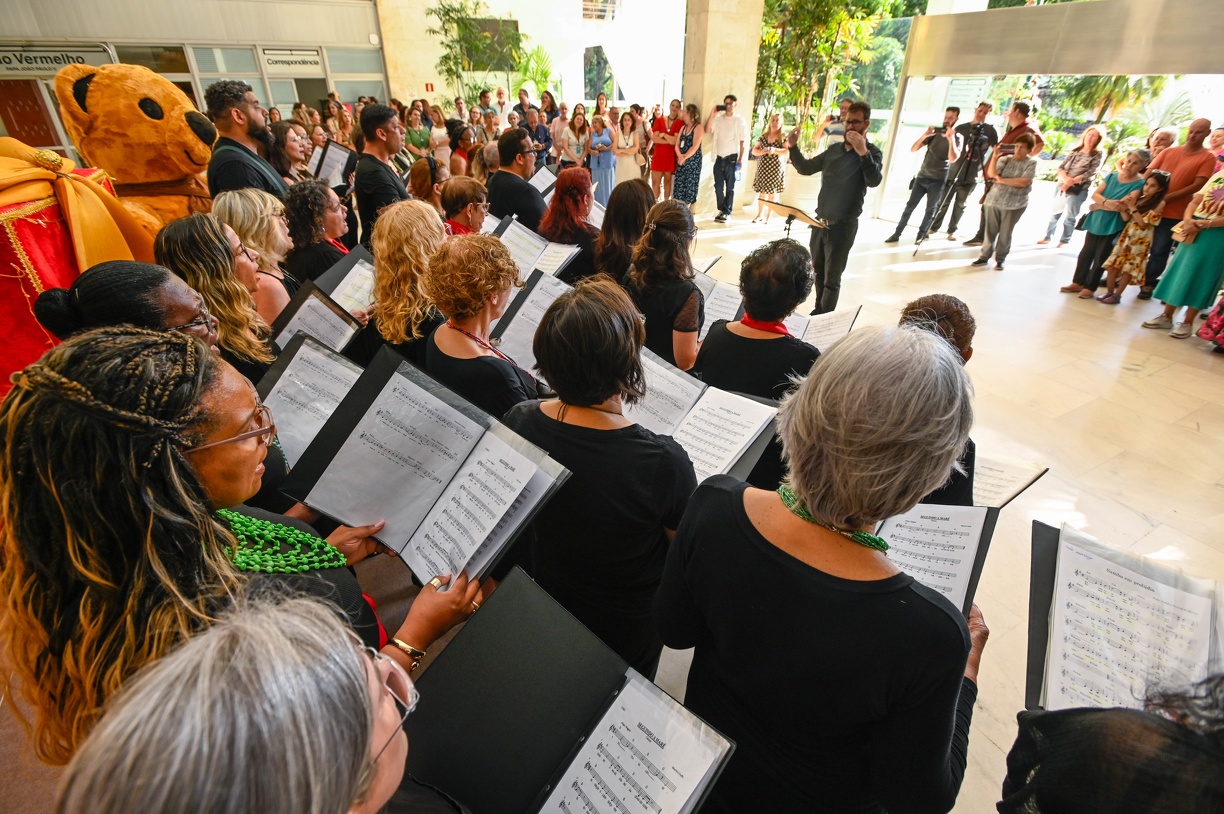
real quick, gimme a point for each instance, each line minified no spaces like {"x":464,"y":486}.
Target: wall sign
{"x":301,"y":62}
{"x":46,"y":60}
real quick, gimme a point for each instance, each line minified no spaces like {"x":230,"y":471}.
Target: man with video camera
{"x":943,"y":146}
{"x":978,"y":137}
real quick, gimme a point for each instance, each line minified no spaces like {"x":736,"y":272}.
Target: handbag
{"x":1182,"y":237}
{"x":1079,"y":224}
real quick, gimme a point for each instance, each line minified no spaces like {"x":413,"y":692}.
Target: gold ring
{"x":437,"y":583}
{"x":475,"y":606}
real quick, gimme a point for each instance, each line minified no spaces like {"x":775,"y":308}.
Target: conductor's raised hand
{"x":792,"y":138}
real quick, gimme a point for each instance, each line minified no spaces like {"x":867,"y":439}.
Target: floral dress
{"x":688,"y":174}
{"x":1130,"y":253}
{"x":770,"y":177}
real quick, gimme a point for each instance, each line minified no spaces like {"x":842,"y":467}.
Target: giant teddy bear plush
{"x":144,"y":132}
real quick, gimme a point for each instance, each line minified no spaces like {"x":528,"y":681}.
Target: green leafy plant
{"x":536,"y":67}
{"x":1108,"y":96}
{"x":1056,"y":141}
{"x":473,"y":42}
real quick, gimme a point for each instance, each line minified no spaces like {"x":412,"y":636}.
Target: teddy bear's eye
{"x":151,"y":109}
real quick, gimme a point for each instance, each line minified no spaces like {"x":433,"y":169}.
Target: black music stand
{"x":793,"y":214}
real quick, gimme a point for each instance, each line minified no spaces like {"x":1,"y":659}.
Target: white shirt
{"x":728,"y":132}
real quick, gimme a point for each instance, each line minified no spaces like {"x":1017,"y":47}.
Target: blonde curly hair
{"x":465,"y":271}
{"x":253,"y":215}
{"x":406,"y":235}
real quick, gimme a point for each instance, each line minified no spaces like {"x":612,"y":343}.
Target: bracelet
{"x":408,"y":650}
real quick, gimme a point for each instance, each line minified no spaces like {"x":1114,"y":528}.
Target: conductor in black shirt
{"x":509,"y":192}
{"x":376,"y":183}
{"x":242,"y":130}
{"x":849,"y":168}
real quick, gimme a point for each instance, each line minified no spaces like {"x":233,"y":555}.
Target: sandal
{"x":1071,"y":289}
{"x":1110,"y":299}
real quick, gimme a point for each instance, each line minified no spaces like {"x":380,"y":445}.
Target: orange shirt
{"x":1182,"y":168}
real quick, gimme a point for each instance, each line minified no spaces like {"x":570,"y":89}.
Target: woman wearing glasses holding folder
{"x":123,"y":532}
{"x":846,"y":685}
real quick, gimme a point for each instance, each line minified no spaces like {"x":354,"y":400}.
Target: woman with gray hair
{"x":858,"y":689}
{"x":277,"y":708}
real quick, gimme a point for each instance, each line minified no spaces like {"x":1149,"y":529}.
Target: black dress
{"x":599,"y":544}
{"x":583,"y":264}
{"x":368,"y":340}
{"x":309,"y":262}
{"x":758,"y":367}
{"x":677,"y":305}
{"x":491,"y":383}
{"x":841,"y":695}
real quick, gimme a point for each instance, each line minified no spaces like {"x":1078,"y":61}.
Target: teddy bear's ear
{"x":80,"y":89}
{"x":71,"y":89}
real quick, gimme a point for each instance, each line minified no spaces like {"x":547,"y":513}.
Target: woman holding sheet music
{"x":600,"y":543}
{"x":168,"y":441}
{"x":471,"y":280}
{"x":858,"y":689}
{"x":756,"y":354}
{"x":660,"y":281}
{"x":566,"y":222}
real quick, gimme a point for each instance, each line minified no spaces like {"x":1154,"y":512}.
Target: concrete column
{"x":410,"y":54}
{"x":722,"y":39}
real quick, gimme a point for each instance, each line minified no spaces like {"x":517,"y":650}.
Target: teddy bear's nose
{"x":202,"y":127}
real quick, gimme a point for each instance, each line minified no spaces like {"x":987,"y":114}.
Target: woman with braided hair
{"x":127,"y":457}
{"x":210,"y":258}
{"x":660,"y":281}
{"x":566,"y":222}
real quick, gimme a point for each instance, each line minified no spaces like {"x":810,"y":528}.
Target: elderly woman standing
{"x":1076,"y":176}
{"x":858,"y":691}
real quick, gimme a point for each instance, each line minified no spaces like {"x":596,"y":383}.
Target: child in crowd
{"x":1007,"y":200}
{"x":1127,"y":262}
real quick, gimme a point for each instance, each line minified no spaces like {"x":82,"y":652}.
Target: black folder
{"x":506,"y":706}
{"x":338,"y":315}
{"x":1043,"y":569}
{"x":331,"y":279}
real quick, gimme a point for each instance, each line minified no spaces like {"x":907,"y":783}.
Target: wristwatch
{"x":408,"y":650}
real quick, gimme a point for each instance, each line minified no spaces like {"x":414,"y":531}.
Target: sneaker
{"x":920,"y":239}
{"x":721,"y":217}
{"x":981,"y":261}
{"x":951,"y":235}
{"x":1159,"y":322}
{"x":973,"y":242}
{"x":893,"y":238}
{"x":1182,"y":331}
{"x":1145,"y":293}
{"x":998,"y":266}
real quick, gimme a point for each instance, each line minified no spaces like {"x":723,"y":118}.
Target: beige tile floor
{"x":1129,"y":421}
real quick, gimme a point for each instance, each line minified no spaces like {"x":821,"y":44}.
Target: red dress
{"x":664,"y":157}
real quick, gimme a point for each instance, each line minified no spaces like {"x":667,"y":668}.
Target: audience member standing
{"x":541,"y":137}
{"x":548,"y":107}
{"x":1076,"y":178}
{"x":665,"y":132}
{"x":942,"y":149}
{"x":509,"y":192}
{"x":833,"y":128}
{"x":556,"y":129}
{"x":626,"y":150}
{"x":1104,"y":223}
{"x":574,"y":140}
{"x":376,"y":183}
{"x":1020,"y":124}
{"x":1189,"y":166}
{"x":439,"y":137}
{"x":603,"y":162}
{"x":242,"y":129}
{"x":660,"y":280}
{"x":730,"y":133}
{"x":1011,"y":179}
{"x":524,"y":104}
{"x":416,"y":135}
{"x":978,"y":138}
{"x":849,"y":168}
{"x":501,"y":105}
{"x":688,"y":157}
{"x":770,"y":177}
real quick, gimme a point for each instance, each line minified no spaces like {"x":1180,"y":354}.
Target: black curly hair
{"x":305,"y":207}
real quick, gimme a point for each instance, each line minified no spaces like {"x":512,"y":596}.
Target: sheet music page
{"x":704,"y":264}
{"x":543,"y":180}
{"x":466,"y":513}
{"x":647,"y":755}
{"x":723,"y":302}
{"x":525,"y":246}
{"x":797,"y":324}
{"x":996,"y":481}
{"x":490,"y":224}
{"x":533,"y":492}
{"x":396,"y":462}
{"x":306,"y":394}
{"x":356,"y":291}
{"x":331,"y":168}
{"x":705,"y":284}
{"x":554,"y":256}
{"x":670,"y":394}
{"x":824,"y":329}
{"x":518,"y":337}
{"x":313,"y":163}
{"x":597,"y":215}
{"x":1117,"y":631}
{"x":718,"y":430}
{"x":936,"y":545}
{"x":315,"y":319}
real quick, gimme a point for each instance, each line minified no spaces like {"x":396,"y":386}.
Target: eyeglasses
{"x":266,"y":429}
{"x":532,"y":151}
{"x":856,"y":121}
{"x":242,"y":249}
{"x":483,"y":207}
{"x":398,"y":685}
{"x":204,"y":320}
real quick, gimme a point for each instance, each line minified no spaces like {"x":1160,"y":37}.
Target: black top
{"x":974,"y":150}
{"x":541,"y":135}
{"x":511,"y":195}
{"x":309,"y":262}
{"x":337,"y":586}
{"x":375,"y":185}
{"x":1111,"y":761}
{"x":677,"y":305}
{"x":236,"y":167}
{"x":958,"y":491}
{"x":599,"y":544}
{"x":841,"y":695}
{"x":935,"y":160}
{"x":757,"y":367}
{"x":368,"y":340}
{"x":253,"y":371}
{"x":491,"y":383}
{"x":288,"y":281}
{"x":846,"y":178}
{"x":583,"y":264}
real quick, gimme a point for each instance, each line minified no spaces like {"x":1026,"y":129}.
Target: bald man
{"x":1189,"y":166}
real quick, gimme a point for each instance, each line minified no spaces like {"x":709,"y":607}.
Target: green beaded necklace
{"x":260,"y":547}
{"x":791,"y":500}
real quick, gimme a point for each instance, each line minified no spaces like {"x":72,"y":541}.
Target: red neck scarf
{"x":338,"y":245}
{"x":759,"y":325}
